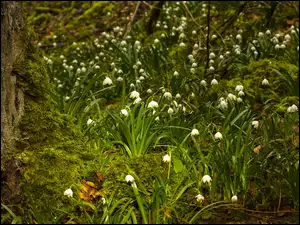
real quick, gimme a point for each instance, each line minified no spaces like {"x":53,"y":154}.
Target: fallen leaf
{"x":257,"y":149}
{"x":91,"y":184}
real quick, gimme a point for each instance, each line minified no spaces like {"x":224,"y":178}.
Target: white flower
{"x":194,"y":32}
{"x":282,"y":46}
{"x":103,"y":200}
{"x":221,"y":57}
{"x":260,"y":34}
{"x":199,"y":198}
{"x":239,"y":88}
{"x":211,"y":61}
{"x":212,"y":55}
{"x":177,"y":96}
{"x":163,"y":35}
{"x":265,"y":82}
{"x":196,"y":46}
{"x":166,"y":158}
{"x":157,"y":118}
{"x":241,"y":93}
{"x":238,"y":37}
{"x":223,"y":104}
{"x":120,"y":71}
{"x":287,"y":37}
{"x":234,"y":198}
{"x":132,"y":85}
{"x":218,"y":135}
{"x":194,"y":132}
{"x":120,"y":79}
{"x":156,"y":41}
{"x":167,"y":95}
{"x":170,"y":111}
{"x":90,"y":121}
{"x":268,"y":32}
{"x":194,"y":64}
{"x":134,"y":94}
{"x":192,"y":70}
{"x":83,"y":69}
{"x":292,"y":109}
{"x":255,"y":124}
{"x":107,"y":81}
{"x":153,"y":104}
{"x":211,"y":68}
{"x":69,"y":192}
{"x":181,"y":44}
{"x":203,"y":83}
{"x":239,"y":100}
{"x":124,"y":112}
{"x":175,"y":73}
{"x":191,"y":57}
{"x":213,"y":36}
{"x":277,"y":46}
{"x":137,"y":100}
{"x":231,"y":97}
{"x":67,"y":98}
{"x":206,"y":179}
{"x":149,"y":91}
{"x":227,"y":53}
{"x":129,"y":178}
{"x":214,"y":81}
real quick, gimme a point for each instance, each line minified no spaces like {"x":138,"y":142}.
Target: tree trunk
{"x":12,"y":97}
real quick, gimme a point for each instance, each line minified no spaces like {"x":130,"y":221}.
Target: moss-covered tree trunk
{"x":12,"y":97}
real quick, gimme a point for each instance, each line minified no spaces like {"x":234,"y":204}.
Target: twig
{"x":131,"y":21}
{"x":191,"y":15}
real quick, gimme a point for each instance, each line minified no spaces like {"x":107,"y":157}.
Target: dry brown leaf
{"x":91,"y":184}
{"x":257,"y":149}
{"x":100,"y":176}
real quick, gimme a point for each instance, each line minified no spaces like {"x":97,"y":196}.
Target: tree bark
{"x":12,"y":97}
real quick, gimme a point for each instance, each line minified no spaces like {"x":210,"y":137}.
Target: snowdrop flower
{"x":231,"y":97}
{"x":227,"y":53}
{"x":153,"y":104}
{"x":293,"y":31}
{"x":239,"y":88}
{"x":141,"y":71}
{"x":134,"y":94}
{"x":181,"y":44}
{"x":210,"y":61}
{"x":223,"y":104}
{"x":268,"y":32}
{"x":90,"y":121}
{"x":149,"y":91}
{"x":287,"y":37}
{"x":167,"y":95}
{"x":83,"y":69}
{"x":214,"y":82}
{"x":163,"y":35}
{"x":213,"y":36}
{"x":138,"y":63}
{"x":234,"y":198}
{"x":277,"y":46}
{"x":107,"y":81}
{"x":123,"y":43}
{"x":239,"y":37}
{"x":260,"y":34}
{"x":196,"y":46}
{"x":129,"y":178}
{"x":182,"y":35}
{"x":157,"y":118}
{"x":282,"y":46}
{"x":194,"y":132}
{"x":206,"y":179}
{"x":166,"y":158}
{"x":221,"y":57}
{"x":175,"y":73}
{"x":265,"y":82}
{"x":218,"y":135}
{"x":103,"y":200}
{"x":212,"y":55}
{"x":203,"y":83}
{"x":177,"y":96}
{"x":124,"y":112}
{"x":194,"y":32}
{"x":241,"y":93}
{"x":194,"y":64}
{"x":69,"y":193}
{"x":255,"y":124}
{"x":239,"y":100}
{"x":192,"y":70}
{"x":120,"y":71}
{"x":60,"y":86}
{"x":199,"y":198}
{"x":190,"y":57}
{"x":292,"y":109}
{"x":119,"y":79}
{"x":137,"y":100}
{"x":156,"y":41}
{"x":211,"y":68}
{"x":170,"y":111}
{"x":142,"y":78}
{"x":67,"y":98}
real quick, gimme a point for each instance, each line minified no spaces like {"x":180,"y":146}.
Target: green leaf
{"x":206,"y":215}
{"x":178,"y":166}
